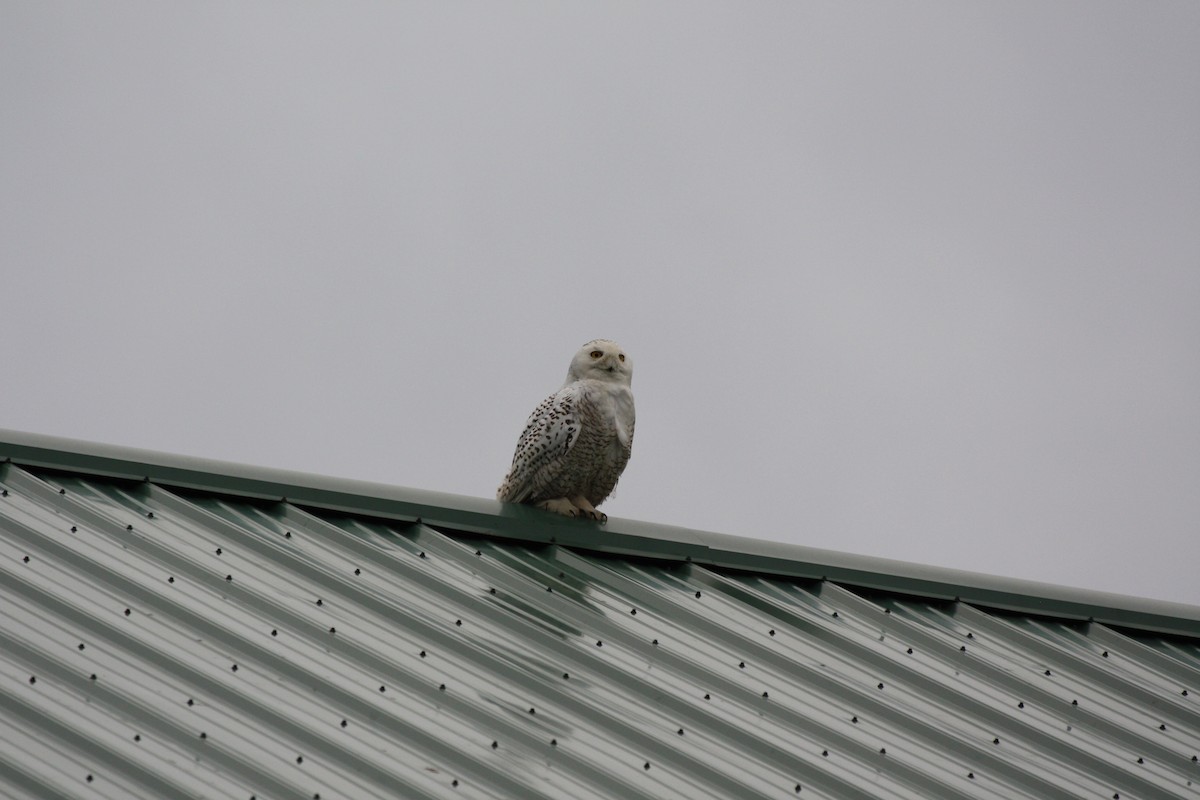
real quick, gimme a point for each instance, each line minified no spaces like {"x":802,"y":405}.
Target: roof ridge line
{"x":618,"y":537}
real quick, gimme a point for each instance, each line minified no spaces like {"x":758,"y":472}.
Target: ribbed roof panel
{"x":159,"y":642}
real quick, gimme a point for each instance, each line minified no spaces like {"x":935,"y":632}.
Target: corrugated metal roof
{"x":193,"y":635}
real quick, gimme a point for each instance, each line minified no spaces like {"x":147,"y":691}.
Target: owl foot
{"x":586,"y":509}
{"x":560,"y":505}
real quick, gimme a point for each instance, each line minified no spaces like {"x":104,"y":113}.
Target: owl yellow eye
{"x":596,"y":354}
{"x":621,"y":356}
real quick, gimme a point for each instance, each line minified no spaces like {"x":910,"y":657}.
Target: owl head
{"x":601,"y":360}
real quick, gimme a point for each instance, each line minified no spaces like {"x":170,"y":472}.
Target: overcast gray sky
{"x":912,"y":280}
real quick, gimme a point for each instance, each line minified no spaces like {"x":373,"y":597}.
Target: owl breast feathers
{"x":577,"y":442}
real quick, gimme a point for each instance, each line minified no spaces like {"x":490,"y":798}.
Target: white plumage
{"x":577,"y":441}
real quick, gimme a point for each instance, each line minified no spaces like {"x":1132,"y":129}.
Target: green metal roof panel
{"x":158,"y":641}
{"x":618,"y":536}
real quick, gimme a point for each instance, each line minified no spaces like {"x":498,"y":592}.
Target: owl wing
{"x":550,"y":433}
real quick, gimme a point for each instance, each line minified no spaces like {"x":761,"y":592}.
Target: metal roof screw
{"x":382,"y":688}
{"x":495,"y":745}
{"x":531,"y":711}
{"x":149,"y":515}
{"x":971,"y":775}
{"x":825,"y":753}
{"x":458,"y":622}
{"x":229,"y":578}
{"x":191,"y":702}
{"x":680,"y":731}
{"x":1047,"y":672}
{"x":274,"y":631}
{"x":706,"y":696}
{"x":880,"y":685}
{"x":1185,"y":693}
{"x":766,"y":695}
{"x":566,"y":676}
{"x":26,"y":559}
{"x":599,"y":643}
{"x":422,"y":554}
{"x":442,"y":687}
{"x":357,"y":571}
{"x":697,"y":594}
{"x":93,"y":676}
{"x":89,"y":778}
{"x":203,"y":735}
{"x":970,"y":635}
{"x":454,"y":782}
{"x":319,"y":602}
{"x":33,"y":680}
{"x":1074,"y":702}
{"x":492,"y":590}
{"x":73,"y":529}
{"x":854,"y":719}
{"x":170,"y":579}
{"x":478,"y":553}
{"x":1116,"y":796}
{"x":962,"y":649}
{"x":422,"y":654}
{"x":4,"y":493}
{"x":771,"y":632}
{"x":234,"y":668}
{"x":332,"y":630}
{"x":127,"y":612}
{"x":62,"y":491}
{"x":996,"y":741}
{"x":1194,"y":758}
{"x":218,"y":551}
{"x":835,"y":615}
{"x":344,"y":723}
{"x":1104,"y":654}
{"x":887,"y":611}
{"x":129,"y":527}
{"x":287,"y":534}
{"x":741,"y":665}
{"x":1021,"y":704}
{"x":299,"y":759}
{"x":550,"y":589}
{"x":137,"y":737}
{"x":883,"y":751}
{"x":646,"y":765}
{"x":798,"y":788}
{"x":655,"y":642}
{"x":554,"y":742}
{"x":1140,"y":761}
{"x":81,"y":645}
{"x":633,"y":611}
{"x":1162,"y":727}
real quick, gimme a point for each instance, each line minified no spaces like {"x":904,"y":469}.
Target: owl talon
{"x":586,"y":509}
{"x":560,"y":505}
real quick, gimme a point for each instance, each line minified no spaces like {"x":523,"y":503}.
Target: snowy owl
{"x":577,"y":441}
